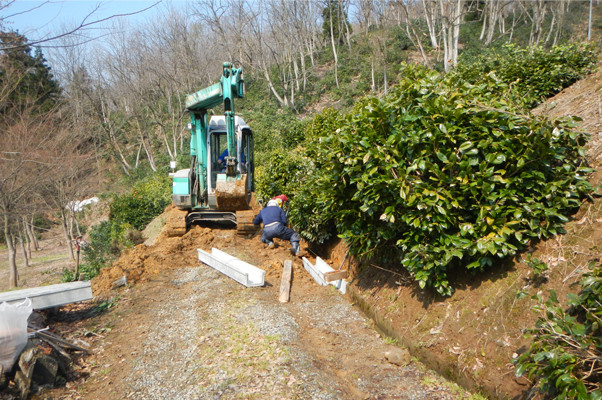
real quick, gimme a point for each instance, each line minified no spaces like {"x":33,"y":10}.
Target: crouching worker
{"x":274,"y":226}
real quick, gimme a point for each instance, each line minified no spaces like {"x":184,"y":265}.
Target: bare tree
{"x":494,"y":14}
{"x":432,"y":17}
{"x":70,"y":176}
{"x":88,"y":22}
{"x":22,"y":169}
{"x":412,"y":32}
{"x":451,"y":19}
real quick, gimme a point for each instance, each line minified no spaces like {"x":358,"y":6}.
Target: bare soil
{"x":182,"y":330}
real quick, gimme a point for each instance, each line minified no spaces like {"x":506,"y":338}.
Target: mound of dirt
{"x":161,"y":252}
{"x":143,"y":262}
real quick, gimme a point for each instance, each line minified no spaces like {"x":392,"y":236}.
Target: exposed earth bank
{"x":472,"y":336}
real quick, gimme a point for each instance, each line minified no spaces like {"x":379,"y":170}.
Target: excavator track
{"x":244,"y":223}
{"x":175,"y":222}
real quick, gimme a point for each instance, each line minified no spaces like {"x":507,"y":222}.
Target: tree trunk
{"x":303,"y":69}
{"x":27,"y":236}
{"x":271,"y":86}
{"x":67,"y":236}
{"x":414,"y":37}
{"x":539,"y":12}
{"x":430,"y":17}
{"x":77,"y":251}
{"x":372,"y":74}
{"x":296,"y":70}
{"x":589,"y":21}
{"x":334,"y":52}
{"x":113,"y":140}
{"x":23,"y":250}
{"x":79,"y":233}
{"x":485,"y":19}
{"x":36,"y":244}
{"x":451,"y":17}
{"x":13,"y":274}
{"x":385,"y":83}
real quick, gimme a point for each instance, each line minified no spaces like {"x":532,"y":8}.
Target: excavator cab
{"x":218,"y":146}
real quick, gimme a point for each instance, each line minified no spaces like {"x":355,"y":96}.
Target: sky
{"x":39,"y":19}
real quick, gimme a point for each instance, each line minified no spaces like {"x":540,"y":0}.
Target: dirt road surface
{"x":182,"y":330}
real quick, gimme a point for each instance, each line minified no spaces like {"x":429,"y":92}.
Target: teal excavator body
{"x":220,"y":181}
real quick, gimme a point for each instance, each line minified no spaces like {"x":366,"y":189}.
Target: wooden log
{"x":49,"y":337}
{"x":335,"y":275}
{"x":285,"y":284}
{"x":120,"y":282}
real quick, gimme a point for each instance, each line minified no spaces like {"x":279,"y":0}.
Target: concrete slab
{"x":318,"y":270}
{"x":52,"y":295}
{"x":242,"y":272}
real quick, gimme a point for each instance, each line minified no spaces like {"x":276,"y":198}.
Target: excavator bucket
{"x":231,"y":195}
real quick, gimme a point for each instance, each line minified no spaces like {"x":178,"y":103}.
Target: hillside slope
{"x":473,"y":335}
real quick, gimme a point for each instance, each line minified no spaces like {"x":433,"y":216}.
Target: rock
{"x":3,"y":379}
{"x":398,"y":356}
{"x":23,"y":384}
{"x":36,"y":369}
{"x":120,"y":282}
{"x":45,"y":370}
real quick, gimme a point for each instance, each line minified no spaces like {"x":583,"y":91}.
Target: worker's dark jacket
{"x":269,"y":215}
{"x":274,"y":225}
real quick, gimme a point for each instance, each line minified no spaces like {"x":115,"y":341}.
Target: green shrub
{"x":146,"y":200}
{"x":537,"y":73}
{"x":107,"y":240}
{"x":538,"y":268}
{"x":129,"y":213}
{"x":281,"y":172}
{"x":308,"y":212}
{"x":440,"y":174}
{"x":566,"y":349}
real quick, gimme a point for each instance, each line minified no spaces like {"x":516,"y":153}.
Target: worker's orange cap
{"x":282,"y":197}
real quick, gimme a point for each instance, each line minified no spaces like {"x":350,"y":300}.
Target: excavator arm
{"x":230,"y":86}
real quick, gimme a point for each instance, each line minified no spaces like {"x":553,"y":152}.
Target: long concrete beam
{"x":242,"y":272}
{"x":52,"y":295}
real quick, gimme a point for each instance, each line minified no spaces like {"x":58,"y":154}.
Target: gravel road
{"x":196,"y":334}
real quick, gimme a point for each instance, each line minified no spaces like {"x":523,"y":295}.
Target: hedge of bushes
{"x":445,"y":171}
{"x":537,"y":73}
{"x":453,"y":172}
{"x":442,"y":174}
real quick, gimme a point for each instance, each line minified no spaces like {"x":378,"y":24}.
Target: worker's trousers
{"x":279,"y":231}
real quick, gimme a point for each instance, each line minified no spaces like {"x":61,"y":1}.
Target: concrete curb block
{"x":242,"y":272}
{"x":52,"y":295}
{"x":318,"y":270}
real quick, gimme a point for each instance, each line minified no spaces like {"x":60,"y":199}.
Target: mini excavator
{"x":220,"y":182}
